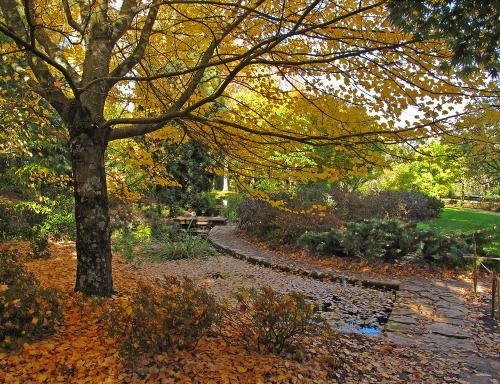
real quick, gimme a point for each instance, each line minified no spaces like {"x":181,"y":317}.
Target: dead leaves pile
{"x":81,"y":352}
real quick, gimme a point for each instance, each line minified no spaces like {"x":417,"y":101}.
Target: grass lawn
{"x":467,"y":220}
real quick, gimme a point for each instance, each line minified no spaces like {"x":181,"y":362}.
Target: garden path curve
{"x":429,"y":313}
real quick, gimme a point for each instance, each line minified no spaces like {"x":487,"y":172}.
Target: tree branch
{"x":127,"y":12}
{"x":38,"y":68}
{"x":131,"y":61}
{"x":140,"y":126}
{"x":69,"y":17}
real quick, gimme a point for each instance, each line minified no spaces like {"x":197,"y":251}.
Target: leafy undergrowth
{"x":80,"y":351}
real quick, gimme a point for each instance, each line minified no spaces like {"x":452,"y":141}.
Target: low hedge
{"x":390,"y":240}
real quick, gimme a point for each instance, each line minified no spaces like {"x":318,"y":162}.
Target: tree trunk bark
{"x":93,"y":241}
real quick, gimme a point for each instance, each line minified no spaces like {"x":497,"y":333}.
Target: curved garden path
{"x":432,"y":314}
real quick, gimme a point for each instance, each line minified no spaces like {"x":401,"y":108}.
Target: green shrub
{"x":389,"y":240}
{"x":173,"y":315}
{"x":449,"y":249}
{"x":7,"y":222}
{"x":323,"y":243}
{"x":204,"y":204}
{"x":314,"y":192}
{"x":181,"y":246}
{"x":127,"y":242}
{"x":39,"y":244}
{"x":19,"y":219}
{"x":60,"y":221}
{"x":443,"y":248}
{"x":167,"y":245}
{"x":231,"y":209}
{"x":27,"y":219}
{"x":271,"y":322}
{"x":382,"y":239}
{"x":27,"y":311}
{"x":369,"y":239}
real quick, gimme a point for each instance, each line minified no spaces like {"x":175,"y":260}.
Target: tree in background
{"x":435,"y":171}
{"x":172,"y":64}
{"x":444,"y":168}
{"x":479,"y":145}
{"x":469,"y":27}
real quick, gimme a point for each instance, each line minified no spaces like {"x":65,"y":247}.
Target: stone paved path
{"x":349,"y":306}
{"x":430,"y":314}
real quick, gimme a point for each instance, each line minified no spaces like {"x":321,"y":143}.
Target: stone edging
{"x":302,"y":269}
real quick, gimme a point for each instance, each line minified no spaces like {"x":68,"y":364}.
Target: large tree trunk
{"x":93,"y":242}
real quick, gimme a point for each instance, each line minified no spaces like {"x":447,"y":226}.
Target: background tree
{"x":437,"y":170}
{"x":173,"y":62}
{"x":469,"y":27}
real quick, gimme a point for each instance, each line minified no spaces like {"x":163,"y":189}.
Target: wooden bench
{"x":200,"y":225}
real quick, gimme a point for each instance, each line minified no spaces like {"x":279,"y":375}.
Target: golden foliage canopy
{"x":250,"y":78}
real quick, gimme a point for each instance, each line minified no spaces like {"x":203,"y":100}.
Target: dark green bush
{"x":389,"y":240}
{"x":368,"y":239}
{"x":29,"y":219}
{"x":204,"y":204}
{"x":19,"y":219}
{"x":323,"y":243}
{"x":443,"y":249}
{"x":231,"y":209}
{"x":27,"y":311}
{"x":177,"y":245}
{"x":7,"y":221}
{"x":313,"y":192}
{"x":59,"y":221}
{"x":450,"y":248}
{"x":272,"y":322}
{"x":173,"y":315}
{"x":381,"y":239}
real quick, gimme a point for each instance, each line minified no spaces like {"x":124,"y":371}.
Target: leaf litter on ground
{"x":81,"y":352}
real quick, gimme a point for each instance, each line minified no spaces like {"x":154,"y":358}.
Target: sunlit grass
{"x":468,"y":220}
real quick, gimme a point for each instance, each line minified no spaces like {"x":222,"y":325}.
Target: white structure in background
{"x":225,"y":182}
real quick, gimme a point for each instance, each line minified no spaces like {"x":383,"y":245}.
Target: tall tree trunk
{"x":93,"y":242}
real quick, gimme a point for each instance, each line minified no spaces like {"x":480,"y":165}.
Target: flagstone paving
{"x":429,"y":313}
